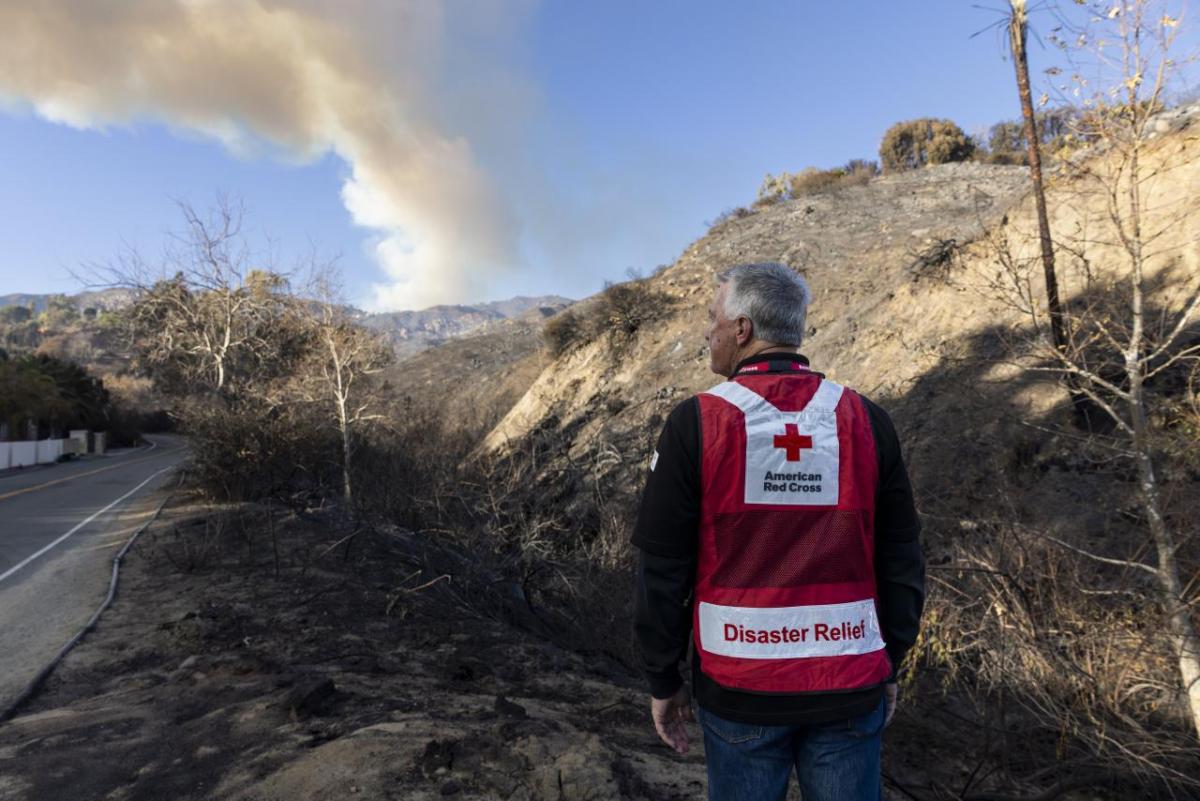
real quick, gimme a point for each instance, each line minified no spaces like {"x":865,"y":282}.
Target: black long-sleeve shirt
{"x":667,"y":536}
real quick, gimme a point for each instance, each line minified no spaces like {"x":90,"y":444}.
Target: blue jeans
{"x":834,"y":761}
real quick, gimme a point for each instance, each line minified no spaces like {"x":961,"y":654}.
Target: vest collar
{"x":773,"y":363}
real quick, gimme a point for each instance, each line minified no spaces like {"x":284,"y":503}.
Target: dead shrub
{"x":1007,"y":158}
{"x":935,"y":261}
{"x":617,"y":314}
{"x":539,"y":531}
{"x":1016,"y":622}
{"x":735,"y":213}
{"x":253,"y":449}
{"x":765,"y":201}
{"x":629,"y":306}
{"x":564,"y":332}
{"x":409,"y":472}
{"x":813,"y":180}
{"x":196,"y":544}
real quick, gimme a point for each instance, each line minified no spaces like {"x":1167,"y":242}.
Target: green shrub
{"x":917,"y":143}
{"x":12,"y":315}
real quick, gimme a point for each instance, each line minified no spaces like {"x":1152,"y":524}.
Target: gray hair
{"x":772,"y":296}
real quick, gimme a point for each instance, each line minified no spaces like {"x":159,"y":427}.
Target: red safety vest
{"x":785,"y":585}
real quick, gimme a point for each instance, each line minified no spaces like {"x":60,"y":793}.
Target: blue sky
{"x":609,"y":132}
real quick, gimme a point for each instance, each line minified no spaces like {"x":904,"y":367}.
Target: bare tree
{"x":344,"y":356}
{"x":1130,"y":333}
{"x":208,"y":314}
{"x":228,"y":337}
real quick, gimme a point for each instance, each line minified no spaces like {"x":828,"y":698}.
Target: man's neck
{"x":761,"y":349}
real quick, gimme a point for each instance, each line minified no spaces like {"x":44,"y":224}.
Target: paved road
{"x":60,"y":526}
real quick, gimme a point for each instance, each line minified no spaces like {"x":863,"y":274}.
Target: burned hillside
{"x":915,"y":306}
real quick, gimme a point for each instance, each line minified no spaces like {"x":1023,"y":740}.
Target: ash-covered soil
{"x":379,"y":666}
{"x":355,"y":672}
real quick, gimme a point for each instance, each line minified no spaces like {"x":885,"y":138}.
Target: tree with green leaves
{"x":12,"y":315}
{"x":87,"y":401}
{"x":27,"y":394}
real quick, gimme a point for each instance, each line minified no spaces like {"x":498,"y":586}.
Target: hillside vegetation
{"x":913,"y":307}
{"x":413,"y":578}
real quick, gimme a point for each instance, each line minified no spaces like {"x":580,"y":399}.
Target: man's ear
{"x":744,"y":330}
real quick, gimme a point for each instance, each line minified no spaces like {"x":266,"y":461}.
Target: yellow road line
{"x":15,"y":493}
{"x":80,"y":525}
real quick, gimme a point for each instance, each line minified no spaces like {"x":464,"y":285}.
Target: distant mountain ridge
{"x":109,"y":299}
{"x":411,"y":332}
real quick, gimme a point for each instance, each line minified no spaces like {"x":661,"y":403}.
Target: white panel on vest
{"x":792,"y":458}
{"x":790,"y":632}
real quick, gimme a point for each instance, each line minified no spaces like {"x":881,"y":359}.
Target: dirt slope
{"x":875,"y":323}
{"x":903,"y":311}
{"x":501,"y":360}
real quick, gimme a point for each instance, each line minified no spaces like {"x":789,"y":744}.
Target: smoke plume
{"x":353,"y":80}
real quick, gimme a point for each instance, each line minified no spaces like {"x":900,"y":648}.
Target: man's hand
{"x":891,"y":693}
{"x":669,"y":715}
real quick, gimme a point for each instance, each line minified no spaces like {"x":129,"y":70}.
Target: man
{"x":778,"y":535}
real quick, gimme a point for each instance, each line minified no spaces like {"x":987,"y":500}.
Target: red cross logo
{"x":792,"y":441}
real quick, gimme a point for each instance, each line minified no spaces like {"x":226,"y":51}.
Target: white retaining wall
{"x":48,"y":450}
{"x":29,"y":452}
